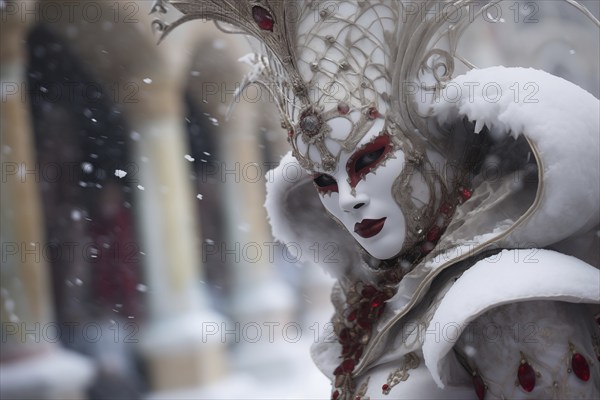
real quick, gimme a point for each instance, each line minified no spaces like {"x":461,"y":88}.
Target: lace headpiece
{"x":319,"y":60}
{"x":322,"y":59}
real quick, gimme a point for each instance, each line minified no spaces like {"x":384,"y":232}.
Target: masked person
{"x":444,"y":202}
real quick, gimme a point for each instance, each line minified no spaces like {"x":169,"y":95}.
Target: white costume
{"x":446,"y":205}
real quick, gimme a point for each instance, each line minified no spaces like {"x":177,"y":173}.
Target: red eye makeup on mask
{"x":368,"y":157}
{"x":363,"y":161}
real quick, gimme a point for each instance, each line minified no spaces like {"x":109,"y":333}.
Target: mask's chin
{"x":388,"y":245}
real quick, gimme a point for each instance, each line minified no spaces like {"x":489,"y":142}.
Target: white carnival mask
{"x":358,"y":193}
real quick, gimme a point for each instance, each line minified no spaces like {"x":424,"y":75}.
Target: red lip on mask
{"x":369,"y":227}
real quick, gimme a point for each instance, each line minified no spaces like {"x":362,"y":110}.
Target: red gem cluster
{"x":361,"y":316}
{"x":364,"y":309}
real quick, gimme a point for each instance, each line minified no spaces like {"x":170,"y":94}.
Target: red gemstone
{"x":364,"y":310}
{"x":352,"y":316}
{"x":364,"y":323}
{"x":373,"y":113}
{"x":346,"y":348}
{"x":263,"y":18}
{"x":348,"y":365}
{"x":377,"y":301}
{"x":343,"y":108}
{"x":479,"y":386}
{"x":385,"y":388}
{"x":427,"y":247}
{"x":368,"y":291}
{"x":344,"y":335}
{"x":465,"y":193}
{"x":526,"y":376}
{"x":580,"y":366}
{"x":433,"y":234}
{"x":445,"y":208}
{"x":335,"y":395}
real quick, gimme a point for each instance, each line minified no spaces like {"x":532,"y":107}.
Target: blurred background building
{"x":136,"y":256}
{"x":137,"y":261}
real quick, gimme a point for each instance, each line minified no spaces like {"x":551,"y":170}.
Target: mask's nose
{"x":351,"y":202}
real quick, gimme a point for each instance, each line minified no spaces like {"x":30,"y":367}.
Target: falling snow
{"x":244,"y":227}
{"x":87,"y":167}
{"x":76,"y":215}
{"x":189,"y":158}
{"x":141,"y":288}
{"x":119,"y":173}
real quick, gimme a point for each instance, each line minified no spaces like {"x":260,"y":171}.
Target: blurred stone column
{"x":177,"y":340}
{"x":144,"y":80}
{"x":257,"y":292}
{"x":261,"y":303}
{"x":32,"y":363}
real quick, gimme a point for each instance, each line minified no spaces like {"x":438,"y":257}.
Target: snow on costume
{"x":445,"y":205}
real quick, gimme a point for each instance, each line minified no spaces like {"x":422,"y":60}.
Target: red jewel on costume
{"x":348,"y":365}
{"x":344,"y":335}
{"x":427,"y":247}
{"x":526,"y":376}
{"x":445,"y":208}
{"x":343,"y":108}
{"x":368,"y":291}
{"x":377,"y":301}
{"x":385,"y":389}
{"x":335,"y":395}
{"x":433,"y":234}
{"x":263,"y":18}
{"x":479,"y":386}
{"x":580,"y":367}
{"x":372,"y":113}
{"x":364,"y":323}
{"x":352,"y":316}
{"x":465,"y":193}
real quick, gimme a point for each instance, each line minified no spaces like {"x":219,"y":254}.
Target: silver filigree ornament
{"x":158,"y":25}
{"x":310,"y":68}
